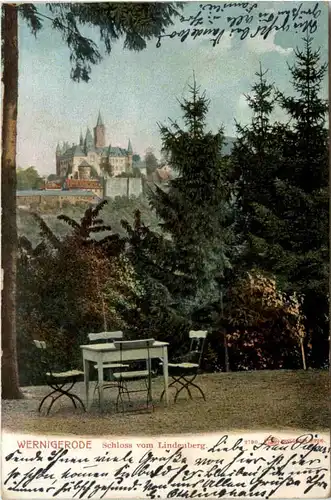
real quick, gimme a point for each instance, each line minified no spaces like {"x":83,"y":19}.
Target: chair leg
{"x":77,"y":398}
{"x":184,"y":386}
{"x":170,"y":385}
{"x":61,"y":392}
{"x":44,"y":399}
{"x":53,"y":401}
{"x":148,"y":383}
{"x":199,"y":389}
{"x":96,"y":388}
{"x":119,"y":397}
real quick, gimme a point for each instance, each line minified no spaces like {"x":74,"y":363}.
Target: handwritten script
{"x":244,"y":20}
{"x":194,"y":467}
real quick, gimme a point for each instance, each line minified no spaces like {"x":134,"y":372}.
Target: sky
{"x":135,"y":91}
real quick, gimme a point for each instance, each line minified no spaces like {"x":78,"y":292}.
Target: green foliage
{"x":196,"y":209}
{"x":265,"y":327}
{"x":52,"y":177}
{"x":113,"y":212}
{"x":28,"y":178}
{"x":150,"y":161}
{"x":282,"y":173}
{"x":136,"y":23}
{"x":152,"y":311}
{"x":70,"y":287}
{"x":262,"y":327}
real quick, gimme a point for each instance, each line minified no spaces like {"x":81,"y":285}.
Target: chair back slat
{"x":198,"y":339}
{"x":41,"y":344}
{"x":133,"y":344}
{"x":198,"y":334}
{"x":44,"y":356}
{"x":105,"y":336}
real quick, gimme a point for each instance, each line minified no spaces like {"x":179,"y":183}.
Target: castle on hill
{"x":91,"y":156}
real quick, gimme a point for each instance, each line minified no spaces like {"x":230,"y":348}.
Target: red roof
{"x":53,"y":185}
{"x":83,"y":184}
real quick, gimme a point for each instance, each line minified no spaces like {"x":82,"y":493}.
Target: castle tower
{"x":88,"y":141}
{"x":130,"y":155}
{"x":99,"y":133}
{"x":58,"y":154}
{"x":84,"y":170}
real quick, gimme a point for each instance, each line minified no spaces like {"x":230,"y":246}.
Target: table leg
{"x":100,"y":382}
{"x":86,"y":381}
{"x":165,"y":375}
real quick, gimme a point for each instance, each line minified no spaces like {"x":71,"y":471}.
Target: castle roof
{"x":84,"y":164}
{"x":78,"y":151}
{"x":70,"y":152}
{"x":117,"y":151}
{"x":89,"y":142}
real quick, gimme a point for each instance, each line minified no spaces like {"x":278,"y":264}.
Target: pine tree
{"x":255,"y":157}
{"x":288,"y":221}
{"x":302,"y":187}
{"x":195,"y":208}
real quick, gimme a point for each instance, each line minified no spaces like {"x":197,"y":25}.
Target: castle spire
{"x":81,"y":138}
{"x":99,"y":133}
{"x":130,"y":150}
{"x":88,"y":141}
{"x":99,"y":122}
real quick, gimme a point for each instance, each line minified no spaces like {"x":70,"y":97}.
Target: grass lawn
{"x":261,"y":400}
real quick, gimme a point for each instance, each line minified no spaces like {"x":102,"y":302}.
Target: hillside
{"x":112,"y":214}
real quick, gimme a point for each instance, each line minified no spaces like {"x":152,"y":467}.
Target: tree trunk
{"x":226,"y":352}
{"x":9,"y":368}
{"x":329,"y":61}
{"x":303,"y":355}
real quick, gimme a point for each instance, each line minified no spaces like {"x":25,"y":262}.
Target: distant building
{"x":91,"y":156}
{"x":84,"y":184}
{"x":161,"y":174}
{"x":140,"y":166}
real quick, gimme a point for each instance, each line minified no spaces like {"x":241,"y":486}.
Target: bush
{"x":260,"y":328}
{"x":65,"y":291}
{"x":265,"y":327}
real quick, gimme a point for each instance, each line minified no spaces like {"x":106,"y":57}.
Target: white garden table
{"x":106,"y":353}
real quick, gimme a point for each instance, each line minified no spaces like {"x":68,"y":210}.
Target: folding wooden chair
{"x":57,"y":380}
{"x":184,"y":370}
{"x":123,"y":378}
{"x":110,"y":367}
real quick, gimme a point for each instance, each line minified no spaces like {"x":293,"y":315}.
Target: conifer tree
{"x":195,"y":209}
{"x":288,"y":220}
{"x":254,"y":156}
{"x":302,"y":189}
